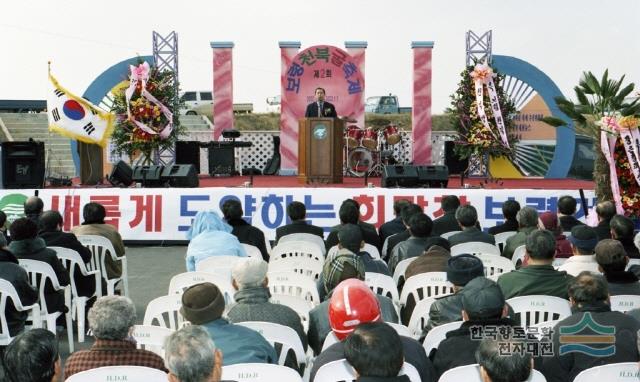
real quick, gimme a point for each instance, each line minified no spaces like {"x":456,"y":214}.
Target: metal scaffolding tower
{"x":165,"y":56}
{"x":478,"y":47}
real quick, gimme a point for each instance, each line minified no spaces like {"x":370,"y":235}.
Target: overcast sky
{"x":83,"y":38}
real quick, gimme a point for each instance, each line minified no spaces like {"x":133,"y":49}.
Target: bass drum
{"x":360,"y":161}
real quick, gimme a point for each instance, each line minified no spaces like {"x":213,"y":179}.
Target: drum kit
{"x":368,"y":150}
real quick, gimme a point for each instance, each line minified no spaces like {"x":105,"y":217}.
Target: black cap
{"x":584,"y":237}
{"x":463,"y":268}
{"x":482,"y":298}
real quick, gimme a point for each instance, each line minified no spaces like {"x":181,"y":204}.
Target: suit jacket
{"x":298,"y":226}
{"x":248,"y":234}
{"x":328,"y":110}
{"x":445,"y":223}
{"x":567,"y":222}
{"x":603,"y":230}
{"x":469,"y":235}
{"x":507,"y":226}
{"x":17,"y":276}
{"x":391,"y":228}
{"x":114,"y":268}
{"x":369,"y":235}
{"x":394,"y":240}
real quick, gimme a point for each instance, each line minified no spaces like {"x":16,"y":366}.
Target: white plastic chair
{"x":538,"y":308}
{"x":219,"y":265}
{"x":632,"y":262}
{"x":341,"y":370}
{"x":420,"y":316}
{"x":299,"y":305}
{"x":495,"y":264}
{"x":447,"y":235}
{"x":259,"y":372}
{"x":294,"y":284}
{"x":624,"y":302}
{"x":71,"y":260}
{"x":329,"y":340}
{"x":371,"y":250}
{"x":303,"y":249}
{"x":613,"y":372}
{"x":475,"y":248}
{"x":437,"y":334}
{"x":401,"y":268}
{"x":308,"y":267}
{"x":7,"y":290}
{"x":502,"y":237}
{"x":252,"y":251}
{"x":165,"y":307}
{"x":180,"y":282}
{"x":558,"y":261}
{"x":471,"y":373}
{"x":279,"y":334}
{"x":39,"y":272}
{"x":151,"y":338}
{"x":382,"y":285}
{"x":119,"y":373}
{"x":400,"y":329}
{"x":421,"y":286}
{"x":518,"y":255}
{"x":544,"y":327}
{"x":100,"y":247}
{"x":306,"y":237}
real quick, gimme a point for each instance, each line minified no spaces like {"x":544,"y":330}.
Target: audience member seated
{"x":364,"y":225}
{"x":17,"y":276}
{"x":245,"y":232}
{"x":498,"y":366}
{"x":33,"y":356}
{"x":538,"y":276}
{"x":467,"y":218}
{"x":350,"y":214}
{"x":297,"y":212}
{"x":375,"y":352}
{"x":111,"y":320}
{"x":353,"y":304}
{"x":566,"y":209}
{"x":26,"y":245}
{"x":589,"y":298}
{"x":460,"y":270}
{"x":510,"y":209}
{"x":622,"y":229}
{"x":612,"y":262}
{"x":583,"y":241}
{"x":419,"y":226}
{"x":252,"y":298}
{"x":345,"y":265}
{"x":395,"y":225}
{"x":51,"y":232}
{"x":447,"y":222}
{"x":203,"y":304}
{"x":210,"y":236}
{"x":33,"y":208}
{"x":393,"y":240}
{"x":350,"y":239}
{"x":433,"y":260}
{"x":94,"y":224}
{"x":550,"y":222}
{"x":605,"y":211}
{"x":483,"y":305}
{"x":3,"y":226}
{"x":527,"y":219}
{"x":191,"y":356}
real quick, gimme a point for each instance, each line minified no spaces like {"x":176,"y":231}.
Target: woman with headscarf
{"x":549,"y":221}
{"x":210,"y":236}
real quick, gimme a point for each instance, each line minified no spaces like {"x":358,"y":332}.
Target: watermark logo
{"x":578,"y":338}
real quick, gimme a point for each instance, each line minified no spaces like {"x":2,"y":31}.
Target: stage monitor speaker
{"x":433,"y":176}
{"x":181,"y":175}
{"x":121,"y":175}
{"x":221,"y":161}
{"x":400,"y":176}
{"x":148,"y":176}
{"x":455,"y":165}
{"x":23,"y":164}
{"x":188,"y":152}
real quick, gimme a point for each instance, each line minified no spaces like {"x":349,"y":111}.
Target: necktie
{"x":319,"y":109}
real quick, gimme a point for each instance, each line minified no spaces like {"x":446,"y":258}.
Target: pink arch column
{"x":421,"y":111}
{"x":222,"y":87}
{"x":356,"y":50}
{"x":288,"y":119}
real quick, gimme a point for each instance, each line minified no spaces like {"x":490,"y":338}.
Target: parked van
{"x":197,"y":102}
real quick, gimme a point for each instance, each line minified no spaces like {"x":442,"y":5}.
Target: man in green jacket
{"x":539,"y":276}
{"x":527,"y":219}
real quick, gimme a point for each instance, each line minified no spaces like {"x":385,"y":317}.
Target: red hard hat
{"x":352,"y":304}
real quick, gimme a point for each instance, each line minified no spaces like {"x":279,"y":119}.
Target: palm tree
{"x":596,"y":99}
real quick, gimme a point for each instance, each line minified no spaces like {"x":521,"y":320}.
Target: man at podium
{"x":320,"y":108}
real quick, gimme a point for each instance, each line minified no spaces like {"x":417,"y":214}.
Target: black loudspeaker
{"x":188,"y":152}
{"x":23,"y":164}
{"x":433,"y":176}
{"x":273,"y":164}
{"x":181,"y":175}
{"x":149,"y":176}
{"x":452,"y":161}
{"x":121,"y":175}
{"x":221,"y":161}
{"x":400,"y":176}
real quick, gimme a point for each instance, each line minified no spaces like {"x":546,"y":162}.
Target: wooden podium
{"x":320,"y":143}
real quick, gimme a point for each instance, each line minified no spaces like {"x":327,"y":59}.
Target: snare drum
{"x":391,"y":134}
{"x":370,"y":139}
{"x":354,"y":135}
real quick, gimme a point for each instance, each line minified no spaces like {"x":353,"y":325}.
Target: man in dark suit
{"x":393,"y":226}
{"x":245,"y":232}
{"x":566,"y":208}
{"x":297,"y":213}
{"x":447,"y":222}
{"x":320,"y":108}
{"x":393,"y":240}
{"x":605,"y":211}
{"x":509,"y":210}
{"x":467,"y":217}
{"x":350,"y":214}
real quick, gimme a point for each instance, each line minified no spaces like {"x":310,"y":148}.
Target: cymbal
{"x":348,"y":119}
